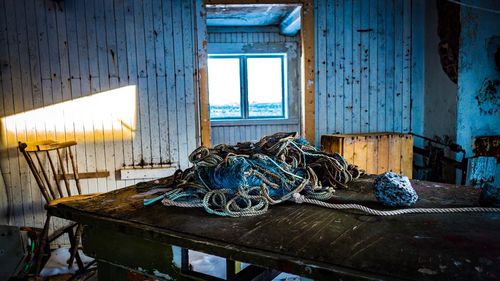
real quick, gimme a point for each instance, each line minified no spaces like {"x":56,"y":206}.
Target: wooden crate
{"x":375,"y":153}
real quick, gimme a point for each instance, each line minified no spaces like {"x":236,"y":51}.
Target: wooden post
{"x":307,"y":39}
{"x":203,"y":74}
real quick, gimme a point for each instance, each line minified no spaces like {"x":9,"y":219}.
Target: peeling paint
{"x":478,"y":100}
{"x":488,"y":97}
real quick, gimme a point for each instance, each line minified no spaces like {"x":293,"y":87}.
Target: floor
{"x":57,"y":265}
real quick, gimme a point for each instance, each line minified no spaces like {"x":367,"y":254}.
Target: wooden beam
{"x":290,"y":25}
{"x":202,"y":41}
{"x":307,"y":38}
{"x":90,"y":175}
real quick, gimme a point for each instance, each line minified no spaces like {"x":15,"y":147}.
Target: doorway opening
{"x":255,"y":71}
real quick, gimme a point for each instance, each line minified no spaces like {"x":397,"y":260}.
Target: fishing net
{"x":244,"y":179}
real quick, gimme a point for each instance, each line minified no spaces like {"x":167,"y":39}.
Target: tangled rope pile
{"x":244,"y":179}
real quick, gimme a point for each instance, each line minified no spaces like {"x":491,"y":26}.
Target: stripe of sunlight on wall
{"x":52,"y":54}
{"x":95,"y":120}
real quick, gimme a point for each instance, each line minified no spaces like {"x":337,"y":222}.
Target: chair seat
{"x":71,"y":198}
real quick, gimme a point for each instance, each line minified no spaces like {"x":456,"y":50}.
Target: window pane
{"x":224,"y":87}
{"x":265,"y":87}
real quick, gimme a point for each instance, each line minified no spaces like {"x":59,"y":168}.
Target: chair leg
{"x":74,"y":239}
{"x":78,"y":236}
{"x":79,"y":261}
{"x":43,"y":243}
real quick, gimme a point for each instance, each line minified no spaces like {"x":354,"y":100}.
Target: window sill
{"x":253,"y":122}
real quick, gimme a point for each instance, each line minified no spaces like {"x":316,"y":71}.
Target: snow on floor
{"x":57,"y":262}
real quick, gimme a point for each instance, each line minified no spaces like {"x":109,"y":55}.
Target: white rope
{"x":299,"y":198}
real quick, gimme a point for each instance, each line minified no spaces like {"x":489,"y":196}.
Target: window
{"x":246,"y":86}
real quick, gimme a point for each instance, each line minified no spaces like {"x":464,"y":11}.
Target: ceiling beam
{"x":290,"y":25}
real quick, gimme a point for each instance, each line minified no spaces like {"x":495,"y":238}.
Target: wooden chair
{"x":53,"y":192}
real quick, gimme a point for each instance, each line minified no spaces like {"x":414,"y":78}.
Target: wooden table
{"x":306,"y":240}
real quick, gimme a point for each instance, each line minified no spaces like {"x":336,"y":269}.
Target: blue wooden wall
{"x":478,"y":111}
{"x":363,"y":66}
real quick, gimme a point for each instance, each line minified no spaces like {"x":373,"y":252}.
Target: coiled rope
{"x":245,"y":179}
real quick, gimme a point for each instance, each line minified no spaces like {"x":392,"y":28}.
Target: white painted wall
{"x":53,"y":56}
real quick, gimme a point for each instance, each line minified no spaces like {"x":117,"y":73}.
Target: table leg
{"x":110,"y":272}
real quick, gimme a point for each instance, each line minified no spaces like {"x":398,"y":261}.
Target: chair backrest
{"x":53,"y":151}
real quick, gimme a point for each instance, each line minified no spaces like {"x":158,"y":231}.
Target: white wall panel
{"x":54,"y":54}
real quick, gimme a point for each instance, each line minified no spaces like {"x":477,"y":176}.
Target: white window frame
{"x":244,"y":103}
{"x":292,"y":84}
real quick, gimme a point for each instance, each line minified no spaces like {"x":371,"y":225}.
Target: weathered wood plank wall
{"x":239,"y":132}
{"x":53,"y":53}
{"x":363,"y":66}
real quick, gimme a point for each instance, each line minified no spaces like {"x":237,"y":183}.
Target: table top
{"x":318,"y":242}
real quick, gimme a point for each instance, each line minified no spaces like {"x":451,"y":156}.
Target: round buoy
{"x":394,"y":190}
